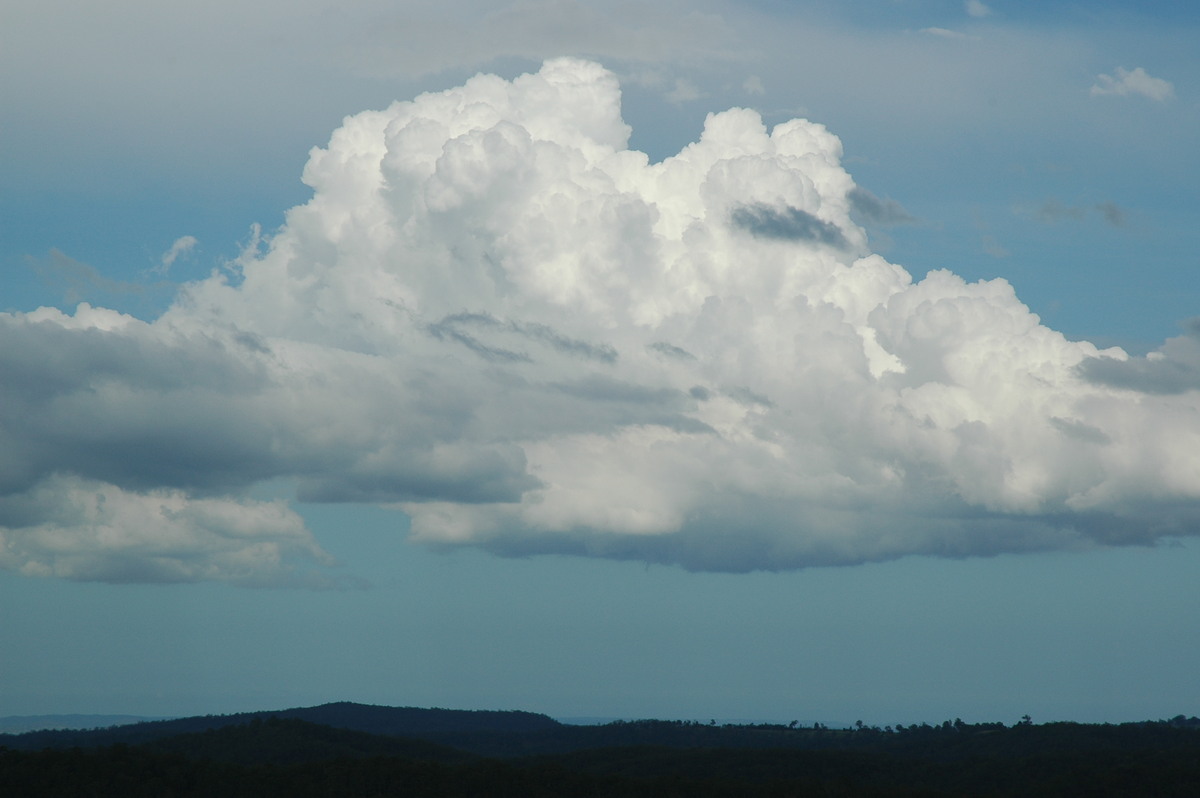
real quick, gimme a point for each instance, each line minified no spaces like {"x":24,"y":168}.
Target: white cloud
{"x":495,"y":316}
{"x":181,"y":246}
{"x":977,"y":9}
{"x":1123,"y":82}
{"x":88,"y":530}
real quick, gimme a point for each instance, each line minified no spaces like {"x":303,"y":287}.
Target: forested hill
{"x":412,"y":722}
{"x":279,"y":756}
{"x":508,"y":734}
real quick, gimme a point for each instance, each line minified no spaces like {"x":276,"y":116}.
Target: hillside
{"x":522,"y":754}
{"x":372,"y":719}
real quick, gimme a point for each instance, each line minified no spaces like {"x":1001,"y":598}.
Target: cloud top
{"x":495,"y":317}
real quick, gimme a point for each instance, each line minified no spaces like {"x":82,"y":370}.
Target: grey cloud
{"x":1173,"y":369}
{"x":450,"y":328}
{"x":1112,"y":213}
{"x":43,"y":356}
{"x":455,"y":326}
{"x":625,"y":403}
{"x":480,"y":475}
{"x":124,"y":448}
{"x":128,"y":407}
{"x":1052,"y":212}
{"x":1080,"y":431}
{"x":671,"y":351}
{"x":1137,"y":523}
{"x":788,"y":224}
{"x":746,"y":396}
{"x":742,"y":534}
{"x":886,"y":212}
{"x":606,"y":389}
{"x":992,"y":246}
{"x":564,"y":344}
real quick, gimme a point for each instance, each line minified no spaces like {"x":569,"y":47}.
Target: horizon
{"x":21,"y":724}
{"x":731,"y":360}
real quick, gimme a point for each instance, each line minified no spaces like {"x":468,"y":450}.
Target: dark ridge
{"x":397,"y":721}
{"x":294,"y":758}
{"x":265,"y":754}
{"x":415,"y":721}
{"x":289,"y":741}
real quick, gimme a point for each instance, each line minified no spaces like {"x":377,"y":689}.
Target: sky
{"x":742,"y":360}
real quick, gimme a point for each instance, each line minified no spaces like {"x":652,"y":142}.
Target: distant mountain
{"x":19,"y":724}
{"x":429,"y":724}
{"x":414,"y":722}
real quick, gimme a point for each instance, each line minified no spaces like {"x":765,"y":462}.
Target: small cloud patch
{"x":181,"y":247}
{"x":1124,"y":82}
{"x":977,"y":9}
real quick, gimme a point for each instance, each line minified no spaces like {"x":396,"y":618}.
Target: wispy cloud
{"x":1113,"y":213}
{"x":946,"y":33}
{"x":977,"y":9}
{"x":1052,"y":211}
{"x":872,"y":209}
{"x":1124,"y":82}
{"x":77,"y":280}
{"x":182,"y":246}
{"x":683,"y":91}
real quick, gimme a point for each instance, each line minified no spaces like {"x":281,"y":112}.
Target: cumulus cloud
{"x":494,"y":316}
{"x":1124,"y":82}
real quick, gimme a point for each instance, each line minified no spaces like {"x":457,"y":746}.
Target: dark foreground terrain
{"x":357,"y":750}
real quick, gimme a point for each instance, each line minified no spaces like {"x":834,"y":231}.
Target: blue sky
{"x":540,"y":425}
